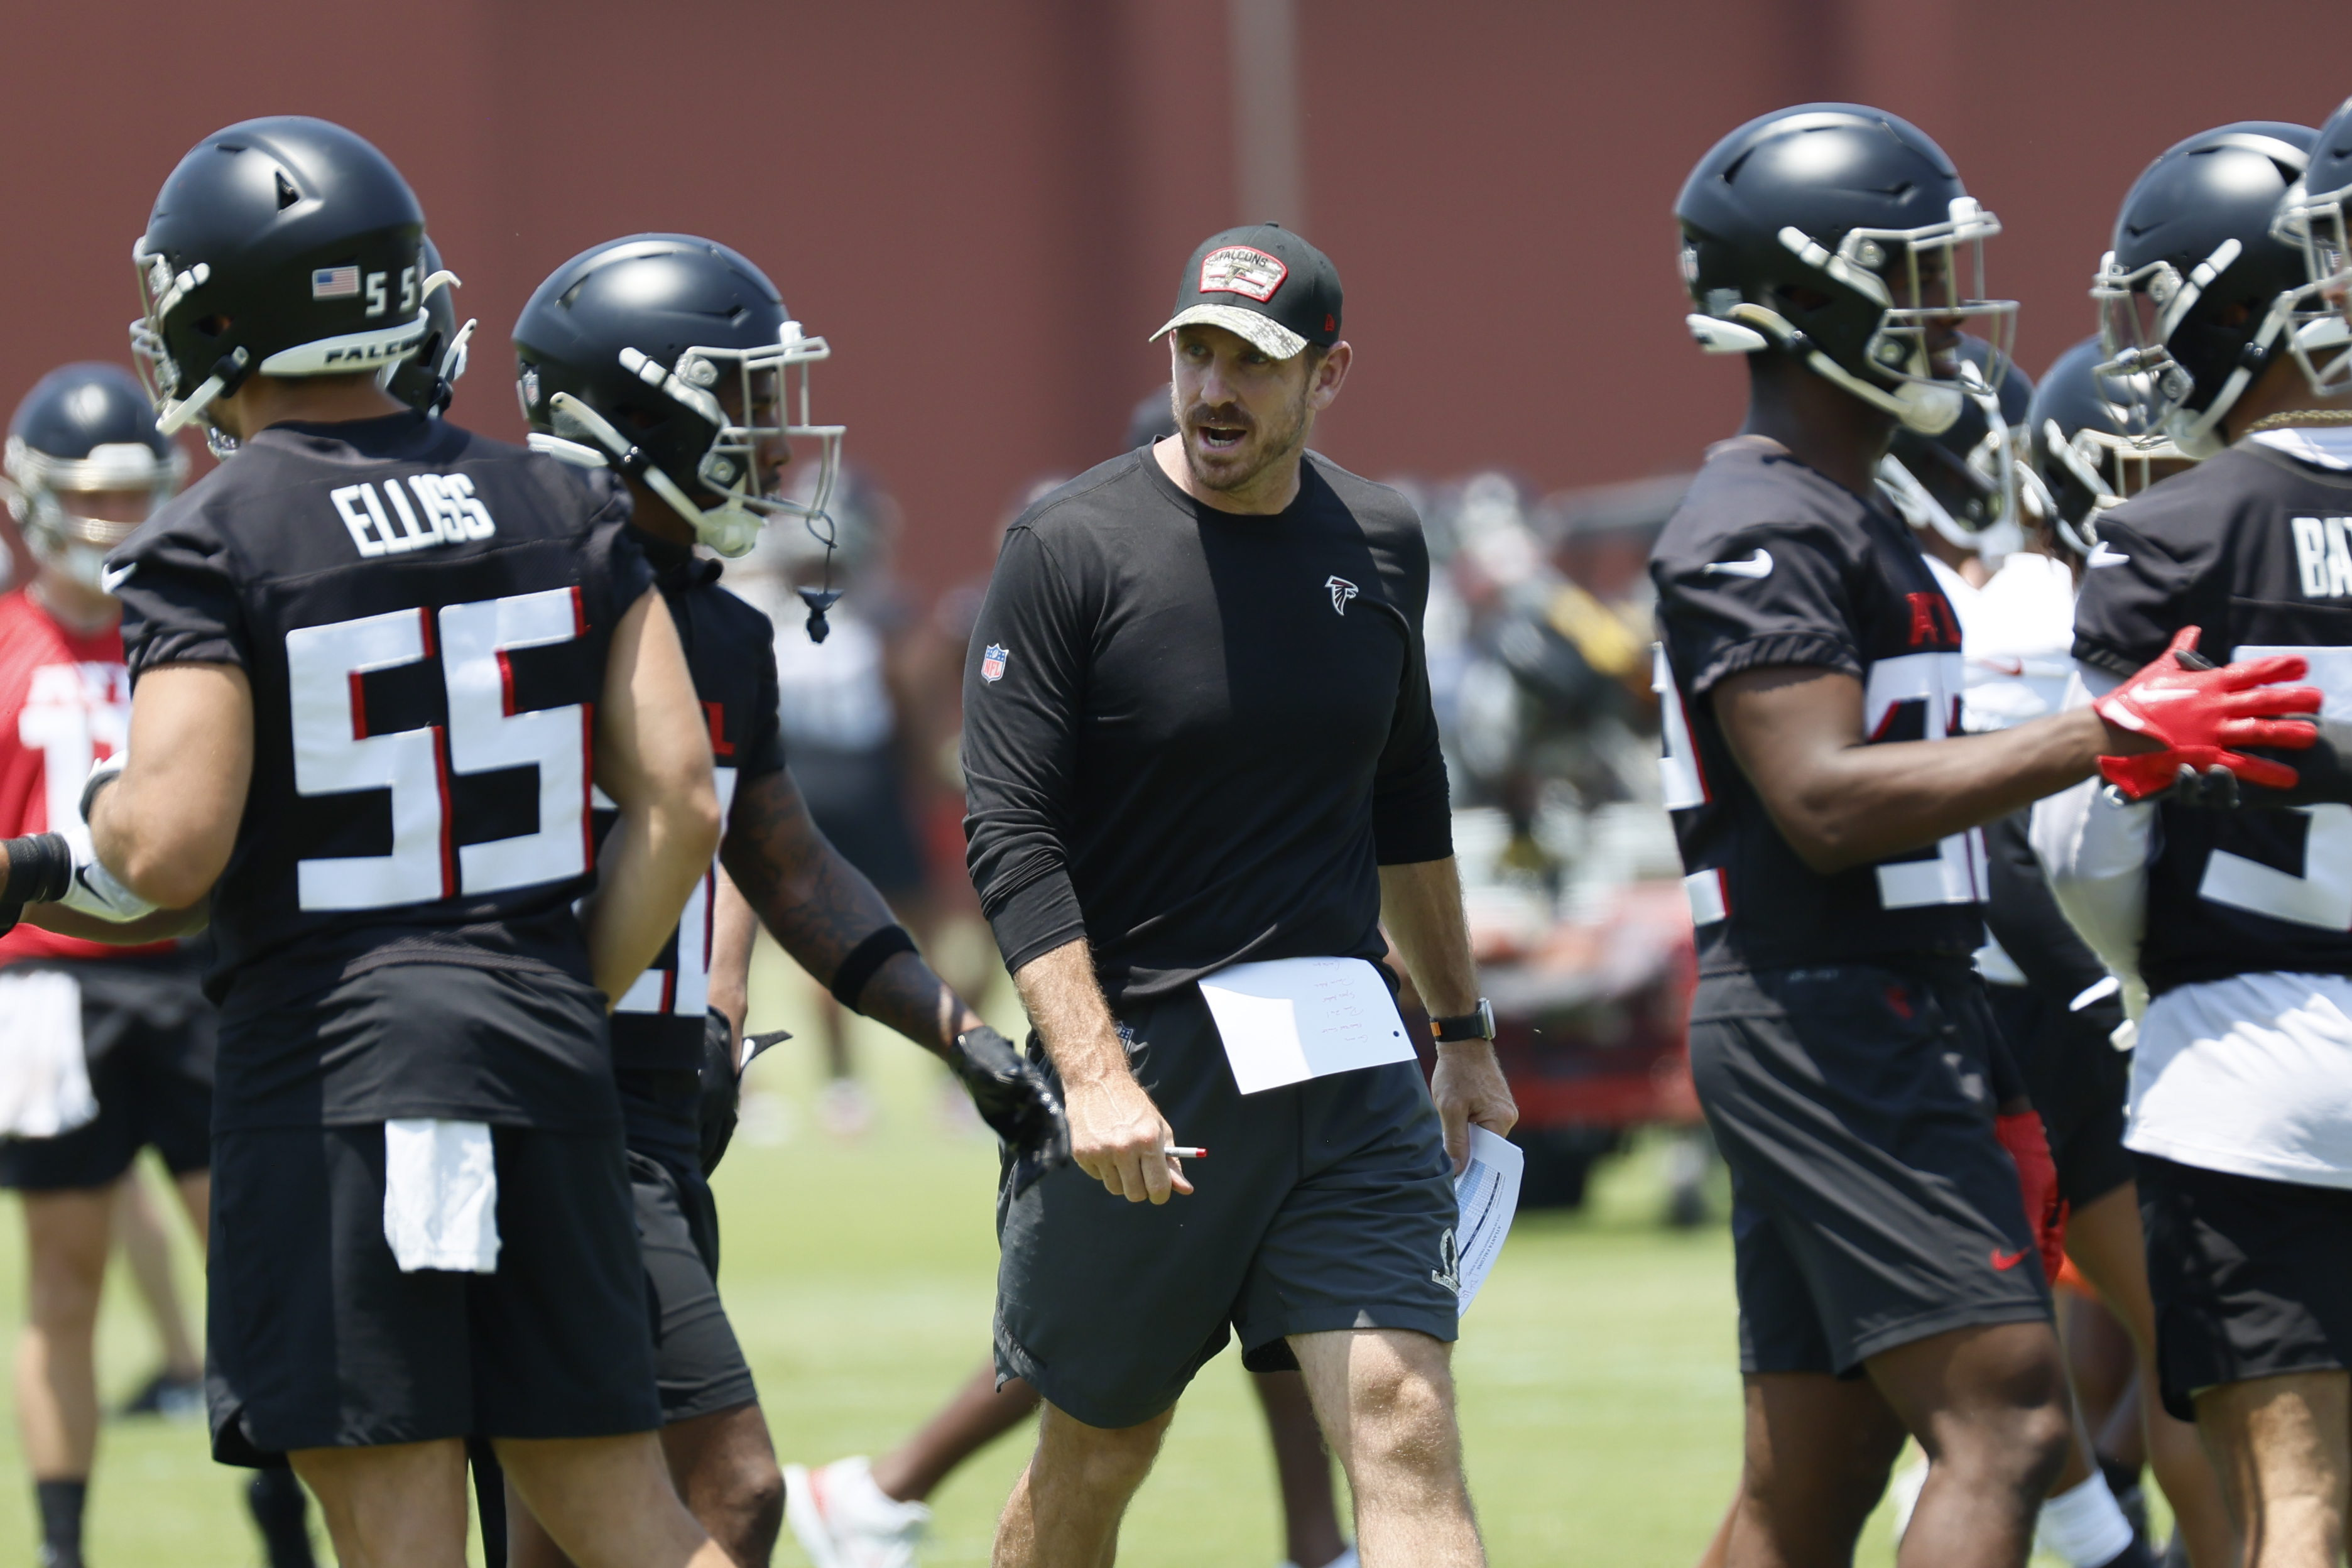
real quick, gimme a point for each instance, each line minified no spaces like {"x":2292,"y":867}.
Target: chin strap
{"x":624,"y":454}
{"x":1929,"y":410}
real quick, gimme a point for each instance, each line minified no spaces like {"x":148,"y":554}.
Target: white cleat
{"x":844,"y":1520}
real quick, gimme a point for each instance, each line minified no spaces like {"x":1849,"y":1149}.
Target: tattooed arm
{"x":819,"y":907}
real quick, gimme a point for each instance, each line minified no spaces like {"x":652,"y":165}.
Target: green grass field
{"x":1599,"y":1388}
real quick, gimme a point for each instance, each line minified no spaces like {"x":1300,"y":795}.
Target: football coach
{"x":1198,"y":734}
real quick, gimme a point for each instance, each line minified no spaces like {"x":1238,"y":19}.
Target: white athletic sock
{"x":2085,"y":1526}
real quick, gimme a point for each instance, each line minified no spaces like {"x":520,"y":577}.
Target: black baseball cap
{"x":1262,"y":283}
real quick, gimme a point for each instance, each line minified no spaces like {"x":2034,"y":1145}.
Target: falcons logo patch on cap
{"x":1342,"y":592}
{"x":1242,"y":270}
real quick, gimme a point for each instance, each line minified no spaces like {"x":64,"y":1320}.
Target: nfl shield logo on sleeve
{"x":991,"y":662}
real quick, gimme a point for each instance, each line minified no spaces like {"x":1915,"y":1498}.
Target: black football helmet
{"x":1963,"y":480}
{"x":85,"y":427}
{"x":625,"y":356}
{"x":2312,"y":218}
{"x":1153,"y":419}
{"x":428,"y":379}
{"x":2091,"y":442}
{"x":287,"y":245}
{"x":1841,"y":236}
{"x":2197,"y":292}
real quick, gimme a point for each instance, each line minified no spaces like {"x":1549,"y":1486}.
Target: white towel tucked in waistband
{"x":441,"y":1195}
{"x":44,"y":1076}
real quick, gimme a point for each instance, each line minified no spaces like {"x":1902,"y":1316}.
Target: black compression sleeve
{"x":849,"y":980}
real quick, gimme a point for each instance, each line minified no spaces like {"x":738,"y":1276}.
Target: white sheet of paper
{"x":1290,"y":1019}
{"x":1488,"y":1194}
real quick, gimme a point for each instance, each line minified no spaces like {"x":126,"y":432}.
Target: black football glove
{"x":1015,"y":1100}
{"x":722,"y":1089}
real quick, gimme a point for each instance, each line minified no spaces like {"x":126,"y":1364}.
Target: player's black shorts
{"x":316,"y":1339}
{"x":2252,"y":1278}
{"x":696,"y":1360}
{"x":149,"y":1035}
{"x":2079,"y":1083}
{"x":1872,"y":1205}
{"x":1322,"y":1205}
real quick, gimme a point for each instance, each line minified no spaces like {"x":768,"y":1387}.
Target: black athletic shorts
{"x":697,"y":1361}
{"x":2079,"y":1083}
{"x":1325,"y":1204}
{"x":149,"y":1036}
{"x":1872,"y":1205}
{"x":316,"y":1339}
{"x":2252,"y":1278}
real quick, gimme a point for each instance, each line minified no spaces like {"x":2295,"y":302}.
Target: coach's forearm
{"x":1420,"y":905}
{"x":1066,"y":1003}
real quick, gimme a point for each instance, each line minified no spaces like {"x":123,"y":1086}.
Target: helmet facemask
{"x":1918,"y":286}
{"x":39,"y":491}
{"x":2144,"y":312}
{"x":767,"y":385}
{"x":2321,"y":338}
{"x":1986,"y":475}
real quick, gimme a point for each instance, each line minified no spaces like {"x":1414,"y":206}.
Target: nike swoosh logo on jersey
{"x":2004,"y":1261}
{"x":1759,"y":566}
{"x":113,"y":577}
{"x":2101,"y":555}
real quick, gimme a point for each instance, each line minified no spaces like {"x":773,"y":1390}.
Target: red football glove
{"x":2037,"y":1181}
{"x":2199,"y":712}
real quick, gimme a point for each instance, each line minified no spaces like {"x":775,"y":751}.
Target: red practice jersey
{"x":65,"y":701}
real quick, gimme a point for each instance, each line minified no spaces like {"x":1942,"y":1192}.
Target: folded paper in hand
{"x":1290,"y":1019}
{"x":441,"y":1195}
{"x":1488,"y":1194}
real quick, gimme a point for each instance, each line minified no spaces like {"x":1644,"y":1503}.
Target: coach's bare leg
{"x":975,"y":1416}
{"x":1066,"y":1508}
{"x":2283,"y":1448}
{"x":1991,"y":1407}
{"x":397,"y":1505}
{"x":723,"y":1466}
{"x":608,"y":1502}
{"x":2105,"y":1241}
{"x":1310,"y":1522}
{"x":1385,"y":1397}
{"x":66,"y":1238}
{"x":1816,"y":1452}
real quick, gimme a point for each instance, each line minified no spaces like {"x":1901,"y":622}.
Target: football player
{"x":378,"y":664}
{"x":673,"y":359}
{"x":1954,"y":488}
{"x":1888,"y":1274}
{"x":86,"y":466}
{"x":2240,"y":1095}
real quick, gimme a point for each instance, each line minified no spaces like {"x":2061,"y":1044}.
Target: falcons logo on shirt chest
{"x":1341,"y":591}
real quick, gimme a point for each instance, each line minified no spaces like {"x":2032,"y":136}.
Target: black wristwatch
{"x":1478,"y":1026}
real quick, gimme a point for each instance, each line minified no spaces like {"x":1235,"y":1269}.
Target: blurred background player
{"x":861,"y":1514}
{"x":2241,"y":1092}
{"x":855,"y":718}
{"x":731,"y":389}
{"x":109,"y":1048}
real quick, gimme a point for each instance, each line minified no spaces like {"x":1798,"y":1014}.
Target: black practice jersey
{"x":1194,"y":737}
{"x":1767,"y":562}
{"x":423,"y":616}
{"x":2251,"y":546}
{"x":730,"y":652}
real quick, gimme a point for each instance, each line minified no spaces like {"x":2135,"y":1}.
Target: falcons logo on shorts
{"x":1342,"y":592}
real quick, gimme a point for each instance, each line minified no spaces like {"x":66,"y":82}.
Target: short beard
{"x":1279,"y":446}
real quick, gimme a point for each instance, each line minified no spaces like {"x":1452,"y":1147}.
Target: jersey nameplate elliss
{"x":413,"y":512}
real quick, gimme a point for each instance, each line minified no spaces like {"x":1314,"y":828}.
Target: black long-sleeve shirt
{"x":1193,"y":737}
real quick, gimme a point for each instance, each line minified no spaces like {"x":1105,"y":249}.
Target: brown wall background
{"x":982,"y":203}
